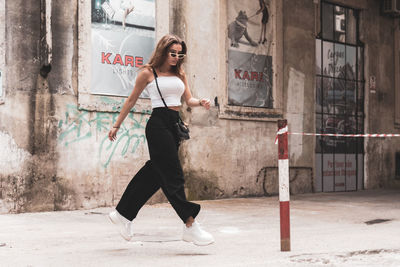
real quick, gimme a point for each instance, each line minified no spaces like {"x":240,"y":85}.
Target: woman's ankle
{"x":189,"y":221}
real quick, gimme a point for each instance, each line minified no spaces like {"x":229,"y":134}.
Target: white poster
{"x":339,"y":172}
{"x":123,"y":38}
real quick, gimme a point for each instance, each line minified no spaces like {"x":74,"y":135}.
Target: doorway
{"x":339,"y":100}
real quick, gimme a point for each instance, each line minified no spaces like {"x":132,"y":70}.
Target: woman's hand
{"x":112,"y":134}
{"x":205,"y":103}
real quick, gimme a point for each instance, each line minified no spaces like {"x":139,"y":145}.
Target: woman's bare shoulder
{"x":145,"y":74}
{"x":146,"y":71}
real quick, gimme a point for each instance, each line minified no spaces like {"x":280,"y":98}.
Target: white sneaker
{"x":124,"y":225}
{"x":196,"y":235}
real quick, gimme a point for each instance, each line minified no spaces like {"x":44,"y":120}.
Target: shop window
{"x":339,"y":99}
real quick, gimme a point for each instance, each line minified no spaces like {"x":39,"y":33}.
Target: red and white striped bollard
{"x":284,"y":195}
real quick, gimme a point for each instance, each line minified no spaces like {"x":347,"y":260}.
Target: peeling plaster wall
{"x":65,"y":51}
{"x":12,"y":160}
{"x":55,"y":153}
{"x":69,"y":162}
{"x":299,"y":71}
{"x":224,"y":157}
{"x":12,"y":157}
{"x":19,"y":78}
{"x":233,"y":158}
{"x":378,"y":36}
{"x":98,"y":169}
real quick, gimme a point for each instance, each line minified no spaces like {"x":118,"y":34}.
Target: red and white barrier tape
{"x":347,"y":135}
{"x":285,"y":130}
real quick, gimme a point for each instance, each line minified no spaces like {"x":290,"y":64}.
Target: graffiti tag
{"x":79,"y":125}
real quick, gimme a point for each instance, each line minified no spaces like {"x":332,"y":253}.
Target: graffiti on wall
{"x":80,"y":125}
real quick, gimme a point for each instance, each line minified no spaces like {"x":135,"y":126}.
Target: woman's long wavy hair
{"x":160,"y":54}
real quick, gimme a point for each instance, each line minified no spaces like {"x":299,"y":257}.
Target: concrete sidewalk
{"x":326,"y":229}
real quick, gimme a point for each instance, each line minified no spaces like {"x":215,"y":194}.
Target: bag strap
{"x":158,"y":88}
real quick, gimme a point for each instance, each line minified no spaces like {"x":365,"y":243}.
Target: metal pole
{"x":284,"y":195}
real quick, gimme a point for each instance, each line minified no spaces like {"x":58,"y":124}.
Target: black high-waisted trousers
{"x":163,"y":170}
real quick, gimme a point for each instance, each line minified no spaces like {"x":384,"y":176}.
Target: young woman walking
{"x":163,"y":170}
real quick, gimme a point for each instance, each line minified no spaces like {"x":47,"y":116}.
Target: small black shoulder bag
{"x":182,"y":130}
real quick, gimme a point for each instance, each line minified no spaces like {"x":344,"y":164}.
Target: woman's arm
{"x":141,"y":81}
{"x":190,"y":100}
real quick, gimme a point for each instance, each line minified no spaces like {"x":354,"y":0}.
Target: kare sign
{"x":123,"y":38}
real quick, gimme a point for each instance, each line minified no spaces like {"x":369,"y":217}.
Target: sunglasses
{"x":180,"y":56}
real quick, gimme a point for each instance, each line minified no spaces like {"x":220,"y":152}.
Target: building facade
{"x":66,"y":68}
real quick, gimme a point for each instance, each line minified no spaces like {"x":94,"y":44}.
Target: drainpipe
{"x":45,"y":37}
{"x":42,"y":107}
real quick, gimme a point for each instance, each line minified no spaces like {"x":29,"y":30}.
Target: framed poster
{"x":250,"y":69}
{"x":122,"y":40}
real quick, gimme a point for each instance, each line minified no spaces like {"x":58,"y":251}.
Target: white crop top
{"x":171,"y":88}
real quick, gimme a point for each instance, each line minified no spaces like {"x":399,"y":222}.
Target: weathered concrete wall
{"x":53,"y":135}
{"x":21,"y":73}
{"x":230,"y":158}
{"x":29,"y":115}
{"x":378,"y":36}
{"x":55,"y":155}
{"x":224,"y":157}
{"x":299,"y":75}
{"x":96,"y":169}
